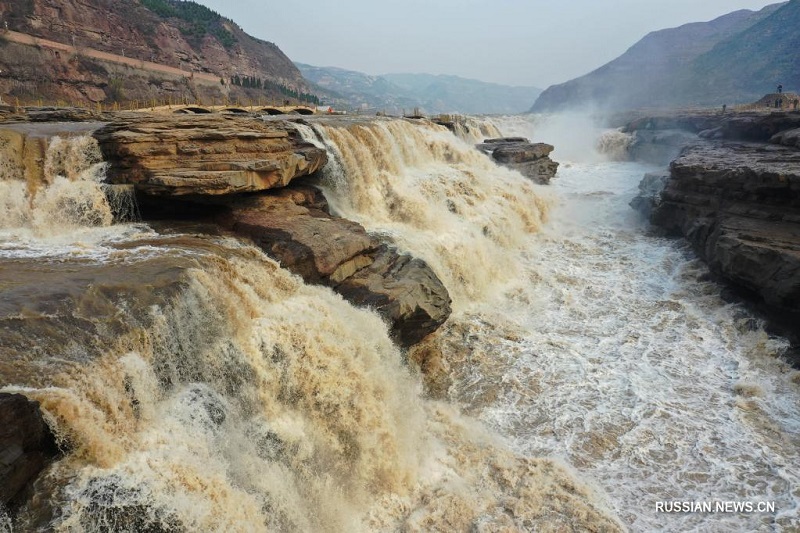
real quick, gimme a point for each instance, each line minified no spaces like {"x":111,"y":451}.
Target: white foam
{"x":612,"y":355}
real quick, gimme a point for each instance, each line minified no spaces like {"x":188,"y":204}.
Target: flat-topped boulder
{"x":205,"y":154}
{"x":529,"y":159}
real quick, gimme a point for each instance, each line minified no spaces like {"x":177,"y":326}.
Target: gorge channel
{"x":213,"y":390}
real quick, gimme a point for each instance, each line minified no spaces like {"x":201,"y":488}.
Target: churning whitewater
{"x":195,"y":385}
{"x":587,"y":373}
{"x":592,"y":341}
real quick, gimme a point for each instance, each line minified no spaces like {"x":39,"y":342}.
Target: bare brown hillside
{"x":182,"y":35}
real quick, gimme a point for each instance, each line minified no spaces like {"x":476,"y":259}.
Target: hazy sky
{"x":514,"y":42}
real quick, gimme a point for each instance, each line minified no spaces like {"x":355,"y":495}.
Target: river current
{"x":609,"y":349}
{"x":593,"y":372}
{"x":664,"y":391}
{"x":631,"y":367}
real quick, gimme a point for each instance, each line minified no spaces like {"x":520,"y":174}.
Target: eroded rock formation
{"x":195,"y":177}
{"x":209,"y":160}
{"x":738,"y":204}
{"x":293,"y":225}
{"x":205,"y":154}
{"x":530,"y":159}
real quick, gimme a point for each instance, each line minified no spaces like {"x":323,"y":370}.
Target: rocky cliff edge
{"x":734,"y":194}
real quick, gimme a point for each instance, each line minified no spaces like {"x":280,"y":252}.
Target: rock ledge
{"x":530,"y":159}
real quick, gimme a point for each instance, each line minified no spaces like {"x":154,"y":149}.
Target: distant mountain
{"x":735,"y":58}
{"x":452,"y":93}
{"x":348,"y":88}
{"x":432,"y":94}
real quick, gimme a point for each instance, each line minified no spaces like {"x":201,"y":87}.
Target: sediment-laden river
{"x":608,"y":348}
{"x":201,"y":387}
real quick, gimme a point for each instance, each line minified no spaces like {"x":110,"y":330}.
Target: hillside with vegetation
{"x":394,"y":93}
{"x":183,"y":35}
{"x":736,"y":58}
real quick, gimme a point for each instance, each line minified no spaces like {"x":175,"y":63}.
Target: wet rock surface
{"x":205,"y":155}
{"x":26,"y":446}
{"x":404,"y":290}
{"x":530,"y":159}
{"x":650,"y":189}
{"x":294,"y":226}
{"x":734,"y":193}
{"x":235,"y":172}
{"x":659,"y":147}
{"x":738,"y":204}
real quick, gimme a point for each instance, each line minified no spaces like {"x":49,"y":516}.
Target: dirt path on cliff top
{"x":30,"y":40}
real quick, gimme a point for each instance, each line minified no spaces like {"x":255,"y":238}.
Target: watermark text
{"x":672,"y":506}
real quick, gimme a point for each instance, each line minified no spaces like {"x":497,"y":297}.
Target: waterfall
{"x":195,"y":385}
{"x":262,"y":422}
{"x":577,"y":137}
{"x":474,"y":130}
{"x":435,"y":196}
{"x":608,"y":346}
{"x":615,"y":352}
{"x":248,"y":400}
{"x":615,"y":144}
{"x":59,"y":189}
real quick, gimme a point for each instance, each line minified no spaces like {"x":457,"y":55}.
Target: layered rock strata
{"x":659,"y":139}
{"x":739,"y":206}
{"x":232,"y":172}
{"x":650,"y":189}
{"x":209,"y":160}
{"x":754,"y":127}
{"x":205,"y":155}
{"x":529,"y":159}
{"x":294,"y":226}
{"x":734,"y":194}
